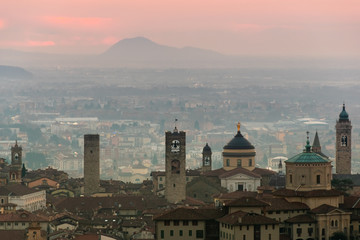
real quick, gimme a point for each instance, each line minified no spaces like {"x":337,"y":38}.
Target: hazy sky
{"x":261,"y":27}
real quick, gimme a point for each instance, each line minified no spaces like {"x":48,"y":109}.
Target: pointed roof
{"x":316,"y":142}
{"x":239,"y":142}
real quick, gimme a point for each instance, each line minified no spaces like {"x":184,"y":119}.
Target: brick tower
{"x":343,"y":143}
{"x":175,"y":190}
{"x":91,"y":164}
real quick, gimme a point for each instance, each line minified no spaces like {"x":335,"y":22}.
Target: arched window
{"x":332,"y":223}
{"x":227,"y":162}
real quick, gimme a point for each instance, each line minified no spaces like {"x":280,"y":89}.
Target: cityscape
{"x":169,"y":120}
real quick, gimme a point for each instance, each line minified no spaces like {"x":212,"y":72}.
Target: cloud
{"x":40,"y":43}
{"x":2,"y":24}
{"x":77,"y":22}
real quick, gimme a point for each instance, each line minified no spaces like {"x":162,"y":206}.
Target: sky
{"x":236,"y":27}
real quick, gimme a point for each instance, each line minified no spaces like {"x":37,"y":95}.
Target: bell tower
{"x":16,"y":164}
{"x":343,"y":143}
{"x":206,"y":159}
{"x":175,"y":190}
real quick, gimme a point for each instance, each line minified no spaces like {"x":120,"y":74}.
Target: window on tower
{"x":175,"y":166}
{"x":344,"y":141}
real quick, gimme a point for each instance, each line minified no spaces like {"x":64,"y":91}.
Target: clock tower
{"x":175,"y":190}
{"x":206,"y":159}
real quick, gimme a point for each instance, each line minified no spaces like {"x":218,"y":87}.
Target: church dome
{"x":239,"y":142}
{"x":206,"y":148}
{"x":344,"y":115}
{"x":307,"y":156}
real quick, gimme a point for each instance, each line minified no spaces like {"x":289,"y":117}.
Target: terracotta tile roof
{"x":263,"y":171}
{"x":189,"y":214}
{"x":22,"y":216}
{"x":88,"y":236}
{"x":304,"y":218}
{"x":244,"y":218}
{"x":314,"y":193}
{"x":125,"y":202}
{"x":214,"y":173}
{"x":236,"y":195}
{"x":16,"y":190}
{"x":281,"y":204}
{"x":239,"y":170}
{"x":193,"y":202}
{"x":13,"y":234}
{"x":350,"y":202}
{"x":246,"y":202}
{"x":323,"y":209}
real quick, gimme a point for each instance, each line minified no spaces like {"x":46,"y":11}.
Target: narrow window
{"x":239,"y":162}
{"x":227,"y":162}
{"x":190,"y":233}
{"x":317,"y":179}
{"x":250,"y":162}
{"x":290,"y":178}
{"x":162,"y":234}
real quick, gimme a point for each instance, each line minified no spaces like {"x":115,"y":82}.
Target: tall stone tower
{"x":175,"y":190}
{"x":206,"y":159}
{"x":343,"y":143}
{"x":91,"y":164}
{"x":16,"y":164}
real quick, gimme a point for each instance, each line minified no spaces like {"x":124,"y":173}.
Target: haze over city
{"x":170,"y":120}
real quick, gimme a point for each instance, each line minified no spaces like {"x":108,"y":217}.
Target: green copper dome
{"x":307,"y":157}
{"x":344,"y":115}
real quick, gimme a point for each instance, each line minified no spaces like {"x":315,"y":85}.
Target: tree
{"x":343,"y":185}
{"x":23,"y":171}
{"x":338,"y":236}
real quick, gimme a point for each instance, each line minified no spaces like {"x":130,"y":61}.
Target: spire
{"x":316,"y":142}
{"x":175,"y":129}
{"x":307,"y":147}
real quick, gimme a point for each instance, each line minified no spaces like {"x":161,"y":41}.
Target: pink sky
{"x":256,"y":27}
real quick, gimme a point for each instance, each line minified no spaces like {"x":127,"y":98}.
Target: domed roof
{"x":344,"y":115}
{"x":239,"y":142}
{"x":207,"y":148}
{"x":307,"y":156}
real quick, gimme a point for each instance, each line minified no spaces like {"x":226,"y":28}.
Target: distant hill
{"x":142,"y":51}
{"x":11,"y":72}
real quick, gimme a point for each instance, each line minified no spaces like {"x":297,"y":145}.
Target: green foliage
{"x":338,"y":236}
{"x":343,"y":185}
{"x":23,"y":171}
{"x":35,"y":160}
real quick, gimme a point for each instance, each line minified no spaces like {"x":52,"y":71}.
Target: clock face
{"x":207,"y":161}
{"x":175,"y":146}
{"x":175,"y":166}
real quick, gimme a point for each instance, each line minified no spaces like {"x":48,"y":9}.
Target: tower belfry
{"x":175,"y":171}
{"x":16,"y":163}
{"x":343,"y":143}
